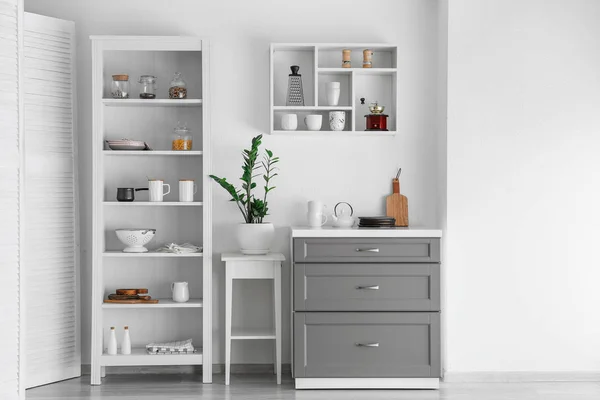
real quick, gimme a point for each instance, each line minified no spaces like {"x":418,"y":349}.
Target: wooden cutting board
{"x":139,"y":301}
{"x":397,"y":205}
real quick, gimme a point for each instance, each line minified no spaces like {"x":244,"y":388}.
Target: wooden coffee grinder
{"x":397,"y":204}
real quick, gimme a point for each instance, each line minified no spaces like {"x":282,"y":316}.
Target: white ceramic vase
{"x":337,"y":120}
{"x":289,"y":122}
{"x":333,"y":93}
{"x":255,"y":238}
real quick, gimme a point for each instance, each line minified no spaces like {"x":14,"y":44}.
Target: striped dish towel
{"x":176,"y":347}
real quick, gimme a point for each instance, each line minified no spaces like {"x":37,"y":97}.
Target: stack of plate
{"x":127,"y":144}
{"x":376,"y":222}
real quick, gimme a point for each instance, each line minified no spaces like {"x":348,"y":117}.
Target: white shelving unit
{"x":321,"y":63}
{"x":176,"y":222}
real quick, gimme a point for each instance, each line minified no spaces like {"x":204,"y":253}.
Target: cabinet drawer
{"x":365,"y":345}
{"x":366,"y":250}
{"x":366,"y":287}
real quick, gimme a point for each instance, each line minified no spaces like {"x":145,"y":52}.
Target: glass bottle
{"x":178,"y":87}
{"x":183,"y":137}
{"x":147,"y":87}
{"x":119,"y":89}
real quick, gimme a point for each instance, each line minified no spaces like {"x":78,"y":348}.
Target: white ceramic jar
{"x":289,"y":122}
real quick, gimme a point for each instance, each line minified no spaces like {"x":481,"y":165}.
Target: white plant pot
{"x":255,"y":238}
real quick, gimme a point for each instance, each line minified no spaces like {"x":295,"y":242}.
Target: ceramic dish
{"x":126,"y":144}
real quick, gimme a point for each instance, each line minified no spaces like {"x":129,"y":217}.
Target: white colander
{"x":135,"y":239}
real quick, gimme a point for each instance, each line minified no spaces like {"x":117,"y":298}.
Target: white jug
{"x":181,"y":292}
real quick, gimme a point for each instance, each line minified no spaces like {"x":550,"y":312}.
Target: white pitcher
{"x":181,"y":292}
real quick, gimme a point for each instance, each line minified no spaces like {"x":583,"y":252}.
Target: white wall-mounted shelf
{"x":149,"y":153}
{"x":152,"y":102}
{"x":151,"y":120}
{"x":139,"y":357}
{"x":321,"y":63}
{"x":162,"y":303}
{"x":150,"y":254}
{"x":153,"y":203}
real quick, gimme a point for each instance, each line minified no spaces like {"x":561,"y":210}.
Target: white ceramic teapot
{"x":343,"y":218}
{"x":181,"y":292}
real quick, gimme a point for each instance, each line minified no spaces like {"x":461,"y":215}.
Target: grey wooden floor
{"x":263,"y":387}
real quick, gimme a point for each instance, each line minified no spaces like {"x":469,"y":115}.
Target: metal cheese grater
{"x":295,"y":96}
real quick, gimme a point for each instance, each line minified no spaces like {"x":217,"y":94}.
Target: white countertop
{"x":328,"y":231}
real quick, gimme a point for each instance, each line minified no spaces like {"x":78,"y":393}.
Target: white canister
{"x":187,"y":190}
{"x":289,"y":122}
{"x":155,"y":186}
{"x":181,"y":292}
{"x":337,"y":120}
{"x":333,"y":93}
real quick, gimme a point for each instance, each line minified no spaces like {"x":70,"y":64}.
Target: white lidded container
{"x":126,"y":343}
{"x":112,"y":342}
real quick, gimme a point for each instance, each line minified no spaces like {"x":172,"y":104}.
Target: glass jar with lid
{"x":119,"y":88}
{"x":147,"y":87}
{"x":178,"y":87}
{"x":182,"y":139}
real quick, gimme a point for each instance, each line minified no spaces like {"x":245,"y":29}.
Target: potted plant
{"x":254,"y":236}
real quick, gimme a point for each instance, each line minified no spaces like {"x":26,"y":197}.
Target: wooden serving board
{"x":131,"y":292}
{"x":128,"y":297}
{"x":140,"y":301}
{"x":397,"y":205}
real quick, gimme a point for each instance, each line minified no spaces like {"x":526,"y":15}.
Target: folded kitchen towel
{"x":179,"y":346}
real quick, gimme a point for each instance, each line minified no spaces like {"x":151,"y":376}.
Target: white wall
{"x":523,"y":219}
{"x":357,"y":170}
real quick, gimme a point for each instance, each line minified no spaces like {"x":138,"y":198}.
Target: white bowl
{"x":135,"y":239}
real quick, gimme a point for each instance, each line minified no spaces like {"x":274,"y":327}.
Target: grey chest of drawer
{"x":366,"y":308}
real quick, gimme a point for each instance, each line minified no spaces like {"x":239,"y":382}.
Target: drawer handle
{"x":368,"y":250}
{"x":367,"y":344}
{"x":370,"y":287}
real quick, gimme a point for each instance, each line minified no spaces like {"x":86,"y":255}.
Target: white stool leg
{"x":103,"y":372}
{"x":277,"y":286}
{"x":228,"y":304}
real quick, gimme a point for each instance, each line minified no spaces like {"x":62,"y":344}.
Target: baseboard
{"x":522,"y":376}
{"x":367,"y":383}
{"x":192,"y":369}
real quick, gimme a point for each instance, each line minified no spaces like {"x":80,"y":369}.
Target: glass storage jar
{"x":177,"y":88}
{"x":182,"y":139}
{"x":147,"y":87}
{"x":119,"y":89}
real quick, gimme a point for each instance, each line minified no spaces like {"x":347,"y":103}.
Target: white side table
{"x":241,"y":266}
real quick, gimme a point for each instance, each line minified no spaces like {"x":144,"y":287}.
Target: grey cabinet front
{"x":365,"y":345}
{"x":359,"y":250}
{"x":366,"y":287}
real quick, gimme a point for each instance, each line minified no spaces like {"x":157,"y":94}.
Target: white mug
{"x":316,"y":219}
{"x":337,"y":120}
{"x":187,"y":190}
{"x":181,"y":292}
{"x":155,"y":187}
{"x":313,"y":122}
{"x":289,"y":122}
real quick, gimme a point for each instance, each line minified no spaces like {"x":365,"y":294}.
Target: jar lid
{"x":120,"y":77}
{"x":147,"y":78}
{"x":186,"y":180}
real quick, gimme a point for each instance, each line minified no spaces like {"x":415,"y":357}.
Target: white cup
{"x":313,"y":122}
{"x":316,"y":219}
{"x":155,"y":187}
{"x":337,"y":120}
{"x":187,"y":190}
{"x":333,"y":93}
{"x":289,"y":122}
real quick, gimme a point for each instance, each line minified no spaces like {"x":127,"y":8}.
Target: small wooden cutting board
{"x":139,"y":301}
{"x":397,"y":205}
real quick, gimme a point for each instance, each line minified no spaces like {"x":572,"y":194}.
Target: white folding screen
{"x":10,"y":197}
{"x":50,"y":245}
